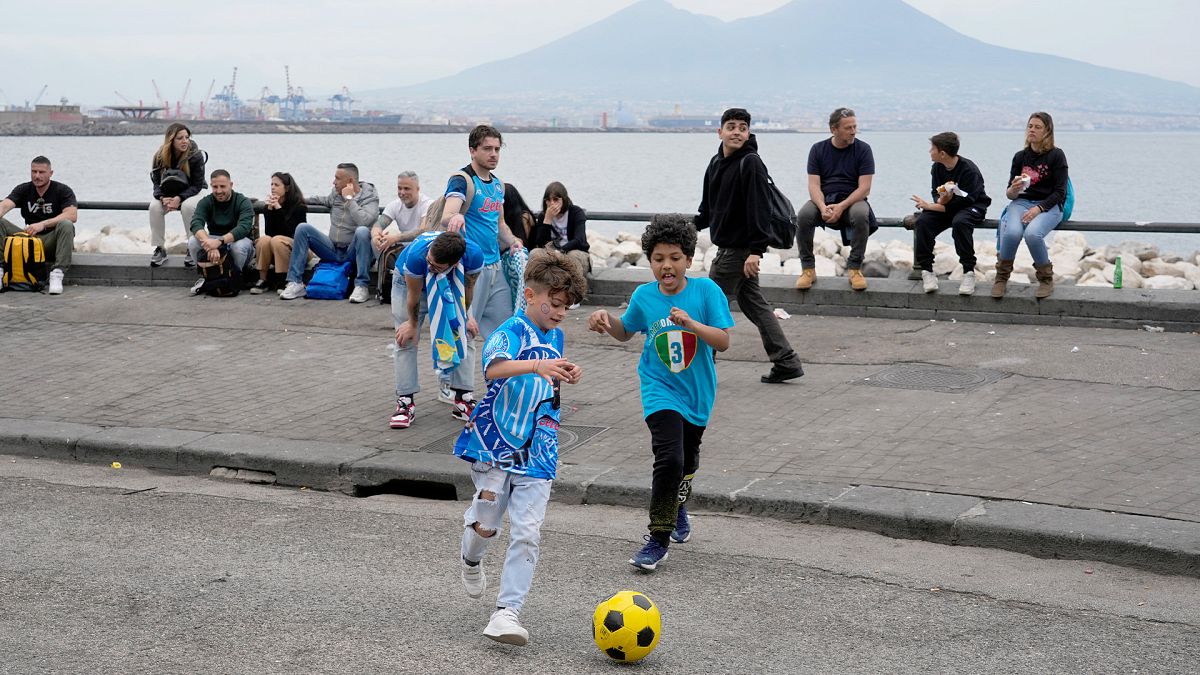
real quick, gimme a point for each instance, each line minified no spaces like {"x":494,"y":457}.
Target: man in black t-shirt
{"x":840,"y":171}
{"x":50,"y":212}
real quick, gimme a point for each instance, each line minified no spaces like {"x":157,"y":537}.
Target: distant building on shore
{"x":41,"y":114}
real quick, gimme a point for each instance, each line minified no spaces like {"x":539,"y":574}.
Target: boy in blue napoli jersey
{"x":684,"y":321}
{"x":435,"y":277}
{"x":511,"y":439}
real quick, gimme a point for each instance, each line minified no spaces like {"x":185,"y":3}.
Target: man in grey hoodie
{"x":353,"y":208}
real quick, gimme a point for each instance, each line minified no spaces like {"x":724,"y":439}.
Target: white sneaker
{"x":445,"y":393}
{"x":195,"y":289}
{"x":473,"y":579}
{"x":360,"y":294}
{"x":929,"y":281}
{"x":56,"y":278}
{"x":293,"y":290}
{"x":504,"y":627}
{"x":967,"y":287}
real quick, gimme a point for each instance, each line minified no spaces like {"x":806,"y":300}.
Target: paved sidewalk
{"x":1075,"y":417}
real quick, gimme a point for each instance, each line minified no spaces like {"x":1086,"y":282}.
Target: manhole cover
{"x":569,"y":438}
{"x":932,"y":378}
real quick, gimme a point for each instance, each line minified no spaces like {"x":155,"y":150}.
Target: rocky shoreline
{"x":1075,"y":263}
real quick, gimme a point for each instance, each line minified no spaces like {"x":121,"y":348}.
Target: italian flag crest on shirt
{"x":676,"y":348}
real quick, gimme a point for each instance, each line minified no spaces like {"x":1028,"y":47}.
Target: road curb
{"x":1041,"y":530}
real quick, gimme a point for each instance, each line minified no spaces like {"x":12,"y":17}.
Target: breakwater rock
{"x":1143,"y":265}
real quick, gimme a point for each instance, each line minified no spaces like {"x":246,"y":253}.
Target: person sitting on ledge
{"x":283,"y":212}
{"x":1038,"y":188}
{"x":960,"y":204}
{"x":223,"y":218}
{"x":840,"y":171}
{"x":50,"y":213}
{"x":177,"y":174}
{"x":353,"y":208}
{"x":562,"y":224}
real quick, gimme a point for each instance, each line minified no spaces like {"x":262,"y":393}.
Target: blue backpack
{"x":1069,"y":202}
{"x":330,"y":281}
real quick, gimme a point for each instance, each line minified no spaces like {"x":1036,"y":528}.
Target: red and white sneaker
{"x":464,"y":403}
{"x":403,"y":417}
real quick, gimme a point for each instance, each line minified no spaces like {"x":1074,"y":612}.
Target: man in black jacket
{"x":735,"y":206}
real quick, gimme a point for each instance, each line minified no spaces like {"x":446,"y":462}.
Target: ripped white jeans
{"x":525,"y":500}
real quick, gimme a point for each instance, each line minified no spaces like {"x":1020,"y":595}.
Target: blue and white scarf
{"x":447,"y":317}
{"x":513,"y":265}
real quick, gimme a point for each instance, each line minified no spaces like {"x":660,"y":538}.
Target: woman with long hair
{"x":177,"y":174}
{"x":562,"y":225}
{"x":284,"y":210}
{"x":517,"y":214}
{"x":1038,"y":188}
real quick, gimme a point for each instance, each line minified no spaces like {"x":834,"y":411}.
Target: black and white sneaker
{"x":158,"y":257}
{"x":259,"y":287}
{"x":187,"y":260}
{"x":195,"y":289}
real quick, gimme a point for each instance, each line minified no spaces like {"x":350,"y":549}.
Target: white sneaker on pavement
{"x":967,"y":287}
{"x":195,"y":289}
{"x":56,"y":279}
{"x":504,"y":627}
{"x":293,"y":290}
{"x":473,"y":579}
{"x":929,"y":281}
{"x":360,"y":294}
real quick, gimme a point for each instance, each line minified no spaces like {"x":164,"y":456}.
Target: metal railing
{"x":636,"y":217}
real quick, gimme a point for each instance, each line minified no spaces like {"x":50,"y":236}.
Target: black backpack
{"x":222,"y":279}
{"x":781,"y":225}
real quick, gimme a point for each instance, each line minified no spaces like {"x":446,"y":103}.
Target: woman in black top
{"x":1038,"y":188}
{"x":517,"y":214}
{"x":177,"y":174}
{"x":284,"y":210}
{"x":562,"y":225}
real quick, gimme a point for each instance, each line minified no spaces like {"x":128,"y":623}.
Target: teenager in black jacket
{"x":736,"y":209}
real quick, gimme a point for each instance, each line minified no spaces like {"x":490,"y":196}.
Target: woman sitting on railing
{"x":177,"y":174}
{"x":562,"y":225}
{"x":284,"y":210}
{"x":1038,"y":188}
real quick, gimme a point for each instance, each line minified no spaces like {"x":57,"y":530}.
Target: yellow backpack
{"x":24,"y":263}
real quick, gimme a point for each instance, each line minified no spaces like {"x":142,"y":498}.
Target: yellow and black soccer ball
{"x":627,"y":626}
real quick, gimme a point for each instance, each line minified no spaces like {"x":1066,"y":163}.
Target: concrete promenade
{"x":1054,"y":440}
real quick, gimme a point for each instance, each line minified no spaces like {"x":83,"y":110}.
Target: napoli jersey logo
{"x":676,"y":349}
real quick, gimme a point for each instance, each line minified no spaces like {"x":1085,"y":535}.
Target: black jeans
{"x":932,"y":223}
{"x":676,"y":445}
{"x":857,"y":219}
{"x":727,"y":272}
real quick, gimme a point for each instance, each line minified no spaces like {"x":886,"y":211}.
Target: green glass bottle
{"x":1117,"y":274}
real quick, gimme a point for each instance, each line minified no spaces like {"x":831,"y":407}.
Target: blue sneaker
{"x":650,"y":555}
{"x":683,"y":527}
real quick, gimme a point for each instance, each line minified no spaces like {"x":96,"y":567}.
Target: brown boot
{"x":1003,"y":272}
{"x":807,"y":278}
{"x":1045,"y":278}
{"x":857,"y":281}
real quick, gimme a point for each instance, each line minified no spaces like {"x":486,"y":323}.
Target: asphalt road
{"x":105,"y":570}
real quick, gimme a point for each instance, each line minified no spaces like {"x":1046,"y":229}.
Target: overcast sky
{"x":84,"y":50}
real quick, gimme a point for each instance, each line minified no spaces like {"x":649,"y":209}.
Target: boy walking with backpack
{"x":511,"y":439}
{"x":685,"y":322}
{"x":736,"y":207}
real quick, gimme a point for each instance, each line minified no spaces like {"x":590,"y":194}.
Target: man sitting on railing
{"x":353,"y":208}
{"x":49,"y":210}
{"x":223,"y":218}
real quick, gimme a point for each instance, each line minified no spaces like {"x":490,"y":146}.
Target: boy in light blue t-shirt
{"x":511,"y":439}
{"x":684,"y":321}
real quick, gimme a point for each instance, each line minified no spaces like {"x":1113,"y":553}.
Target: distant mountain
{"x":805,"y":57}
